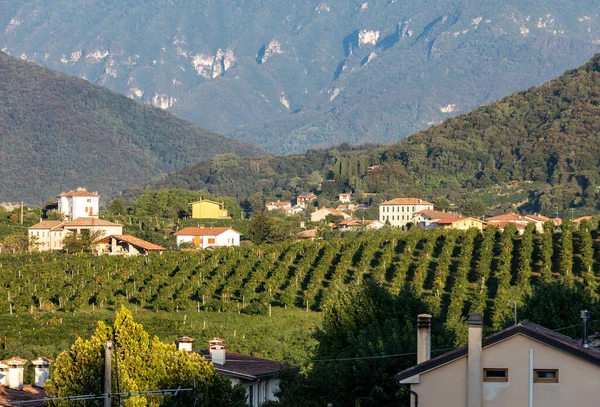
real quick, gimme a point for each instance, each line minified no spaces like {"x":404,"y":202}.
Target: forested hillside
{"x":457,"y":271}
{"x":543,"y":143}
{"x":59,"y":132}
{"x":288,"y":75}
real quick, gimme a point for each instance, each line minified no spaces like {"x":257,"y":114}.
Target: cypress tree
{"x":566,"y":253}
{"x":547,"y":251}
{"x":525,"y":253}
{"x":486,"y":253}
{"x":503,"y":275}
{"x":587,"y":259}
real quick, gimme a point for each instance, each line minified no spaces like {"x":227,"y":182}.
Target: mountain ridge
{"x":59,"y":132}
{"x":288,"y":76}
{"x":545,"y":139}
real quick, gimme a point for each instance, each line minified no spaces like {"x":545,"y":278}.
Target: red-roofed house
{"x":205,"y":237}
{"x":356,"y":224}
{"x":126,"y":245}
{"x":400,"y":211}
{"x":49,"y":234}
{"x":79,"y":204}
{"x":427,"y":218}
{"x":304,"y":198}
{"x":321,"y":214}
{"x":278,"y":206}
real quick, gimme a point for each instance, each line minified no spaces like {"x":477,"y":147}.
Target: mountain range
{"x":58,"y":132}
{"x":538,"y":149}
{"x":287,"y":75}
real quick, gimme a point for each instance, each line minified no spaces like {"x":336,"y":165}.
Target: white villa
{"x":205,"y":237}
{"x":79,"y":204}
{"x":49,"y":234}
{"x":401,"y":211}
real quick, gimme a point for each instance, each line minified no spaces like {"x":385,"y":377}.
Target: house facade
{"x":257,"y":376}
{"x":79,"y":204}
{"x":48,"y":235}
{"x":321,"y":214}
{"x":346,"y":198}
{"x":400,"y":211}
{"x":278,"y":206}
{"x":204,"y":237}
{"x":305,"y":198}
{"x":206,"y":209}
{"x":523,"y":365}
{"x":126,"y":245}
{"x":460,"y":224}
{"x":426,"y":219}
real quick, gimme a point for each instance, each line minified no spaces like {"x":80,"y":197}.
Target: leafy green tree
{"x":54,"y":215}
{"x":474,"y":208}
{"x":368,"y":321}
{"x":260,"y":228}
{"x":525,"y":253}
{"x":442,"y":204}
{"x":17,"y":242}
{"x":143,"y":364}
{"x":82,"y":242}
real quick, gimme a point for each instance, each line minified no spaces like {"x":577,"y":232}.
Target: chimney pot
{"x":423,"y":338}
{"x":475,"y":361}
{"x":217,"y":351}
{"x":585,"y":322}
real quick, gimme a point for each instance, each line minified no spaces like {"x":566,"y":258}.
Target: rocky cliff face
{"x":288,"y":75}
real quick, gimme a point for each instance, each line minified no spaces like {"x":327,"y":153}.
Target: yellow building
{"x":205,"y":209}
{"x":460,"y":223}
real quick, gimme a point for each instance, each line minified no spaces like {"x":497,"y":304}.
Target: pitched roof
{"x":448,"y":221}
{"x":526,"y":328}
{"x":203,"y":231}
{"x":438,"y":215}
{"x":306,"y":195}
{"x":538,"y":218}
{"x":307,"y":234}
{"x":16,"y":360}
{"x":136,"y":241}
{"x":238,"y":364}
{"x":279,"y":203}
{"x":508,"y":217}
{"x":185,"y":339}
{"x":502,"y":225}
{"x":48,"y":225}
{"x":90,"y":222}
{"x":28,"y":393}
{"x":578,"y":220}
{"x":406,"y":201}
{"x":207,"y":200}
{"x":41,"y":360}
{"x":80,"y":192}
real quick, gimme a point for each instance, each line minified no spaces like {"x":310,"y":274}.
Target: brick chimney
{"x":42,"y":370}
{"x":475,"y":361}
{"x":15,"y":372}
{"x":185,"y":343}
{"x":216,"y":347}
{"x":423,"y":338}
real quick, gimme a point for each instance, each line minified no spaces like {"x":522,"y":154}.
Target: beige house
{"x":321,"y":214}
{"x":524,"y":365}
{"x":49,"y":234}
{"x":346,"y":198}
{"x":79,"y":204}
{"x":305,"y":198}
{"x":400,"y":211}
{"x":278,"y":206}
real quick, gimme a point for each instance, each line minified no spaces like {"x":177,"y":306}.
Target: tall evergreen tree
{"x":566,"y":252}
{"x":587,"y":259}
{"x":547,"y":251}
{"x":503,"y":276}
{"x":525,"y":253}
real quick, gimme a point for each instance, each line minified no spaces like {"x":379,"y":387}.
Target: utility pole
{"x":21,"y":213}
{"x":107,"y":372}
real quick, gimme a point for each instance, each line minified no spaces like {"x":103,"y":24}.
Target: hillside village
{"x":80,"y":220}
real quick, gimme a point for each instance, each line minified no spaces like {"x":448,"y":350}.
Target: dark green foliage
{"x":547,"y":251}
{"x":587,"y":259}
{"x":369,"y":321}
{"x":542,"y":141}
{"x":525,"y":254}
{"x":59,"y":132}
{"x":505,"y":291}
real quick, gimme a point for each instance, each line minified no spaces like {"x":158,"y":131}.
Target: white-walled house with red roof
{"x":205,"y":237}
{"x":79,"y":204}
{"x":400,"y":211}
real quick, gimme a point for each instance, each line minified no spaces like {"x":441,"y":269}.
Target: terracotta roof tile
{"x":438,"y":215}
{"x":136,"y":241}
{"x":406,"y":201}
{"x":48,"y":225}
{"x":508,"y":217}
{"x":90,"y":222}
{"x":28,"y":393}
{"x":203,"y":231}
{"x":82,"y":192}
